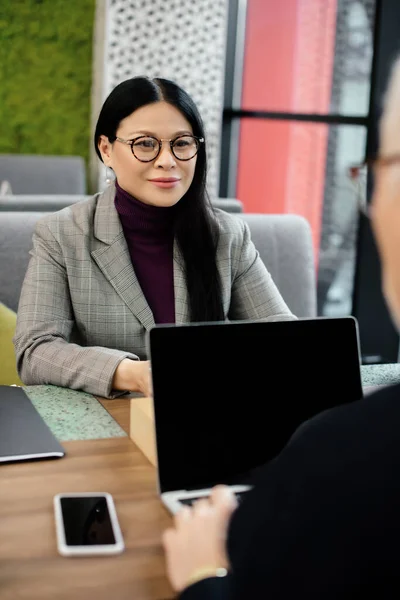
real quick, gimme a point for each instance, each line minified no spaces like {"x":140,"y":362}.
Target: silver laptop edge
{"x":172,"y":499}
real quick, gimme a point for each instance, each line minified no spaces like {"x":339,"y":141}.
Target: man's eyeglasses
{"x":146,"y":148}
{"x":359,"y":177}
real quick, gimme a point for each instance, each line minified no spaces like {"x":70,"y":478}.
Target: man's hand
{"x":198,"y":538}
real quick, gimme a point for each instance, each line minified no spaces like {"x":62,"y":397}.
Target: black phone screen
{"x":86,"y":521}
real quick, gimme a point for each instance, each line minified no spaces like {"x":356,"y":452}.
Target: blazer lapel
{"x":180,"y":289}
{"x":113,"y":259}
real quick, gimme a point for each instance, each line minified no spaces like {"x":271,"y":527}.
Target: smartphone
{"x":87,"y":524}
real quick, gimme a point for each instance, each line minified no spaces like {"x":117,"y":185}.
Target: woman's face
{"x":163,"y":181}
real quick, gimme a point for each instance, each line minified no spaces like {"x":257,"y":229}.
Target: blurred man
{"x":323,"y":520}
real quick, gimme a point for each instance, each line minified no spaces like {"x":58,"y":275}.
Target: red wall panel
{"x":288,"y":66}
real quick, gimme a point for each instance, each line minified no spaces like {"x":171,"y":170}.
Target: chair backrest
{"x":17,"y":226}
{"x":41,"y":174}
{"x":53,"y":202}
{"x":16,"y":231}
{"x":285,"y":245}
{"x":283,"y":241}
{"x":231,"y":205}
{"x":39,"y":202}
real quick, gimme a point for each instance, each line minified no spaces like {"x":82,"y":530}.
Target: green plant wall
{"x":45,"y":76}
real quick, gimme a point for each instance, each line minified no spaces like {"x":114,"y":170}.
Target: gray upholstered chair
{"x":38,"y":202}
{"x":284,"y":243}
{"x":16,"y":231}
{"x":42,"y":174}
{"x":231,"y":205}
{"x":54,"y":202}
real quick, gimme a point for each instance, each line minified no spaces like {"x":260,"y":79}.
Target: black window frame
{"x":379,"y":339}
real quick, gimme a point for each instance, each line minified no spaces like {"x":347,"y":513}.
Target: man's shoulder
{"x":371,"y":410}
{"x":351,"y":430}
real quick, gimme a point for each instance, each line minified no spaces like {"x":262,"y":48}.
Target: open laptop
{"x":228,"y":396}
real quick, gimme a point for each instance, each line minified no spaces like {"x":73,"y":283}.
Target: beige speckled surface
{"x":73,"y":415}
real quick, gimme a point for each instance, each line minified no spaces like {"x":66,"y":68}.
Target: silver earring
{"x":109,"y":175}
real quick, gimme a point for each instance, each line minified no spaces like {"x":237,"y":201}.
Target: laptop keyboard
{"x":190,"y":501}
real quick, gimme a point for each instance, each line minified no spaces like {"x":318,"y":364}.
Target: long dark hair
{"x":196,"y":229}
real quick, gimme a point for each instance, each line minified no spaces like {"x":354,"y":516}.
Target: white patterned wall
{"x":182,"y":40}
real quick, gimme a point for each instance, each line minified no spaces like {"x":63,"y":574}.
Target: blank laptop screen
{"x":228,"y":396}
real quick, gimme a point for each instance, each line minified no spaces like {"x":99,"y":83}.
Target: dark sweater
{"x":323,"y":520}
{"x":149,"y":233}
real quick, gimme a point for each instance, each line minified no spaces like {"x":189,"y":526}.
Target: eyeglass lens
{"x":147,"y":148}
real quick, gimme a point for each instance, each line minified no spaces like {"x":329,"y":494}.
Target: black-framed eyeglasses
{"x":146,"y":147}
{"x":359,"y":177}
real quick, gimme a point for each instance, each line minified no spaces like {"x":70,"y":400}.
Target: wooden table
{"x":30,"y":566}
{"x":119,"y":410}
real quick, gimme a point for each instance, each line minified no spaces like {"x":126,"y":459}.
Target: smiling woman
{"x":149,"y":249}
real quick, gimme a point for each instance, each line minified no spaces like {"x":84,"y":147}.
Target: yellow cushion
{"x":8,"y":369}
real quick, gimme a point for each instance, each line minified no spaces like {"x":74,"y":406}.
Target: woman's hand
{"x":133,"y":375}
{"x":197,"y":540}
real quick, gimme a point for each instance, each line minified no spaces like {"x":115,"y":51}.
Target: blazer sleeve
{"x":45,"y":325}
{"x":254,"y":294}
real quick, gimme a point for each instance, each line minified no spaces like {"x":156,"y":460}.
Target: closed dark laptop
{"x":228,"y":396}
{"x":23,"y":433}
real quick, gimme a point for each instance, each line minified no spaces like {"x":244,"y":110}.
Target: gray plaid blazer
{"x":82,"y":310}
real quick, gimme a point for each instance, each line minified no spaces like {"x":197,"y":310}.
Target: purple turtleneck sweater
{"x":149,"y":234}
